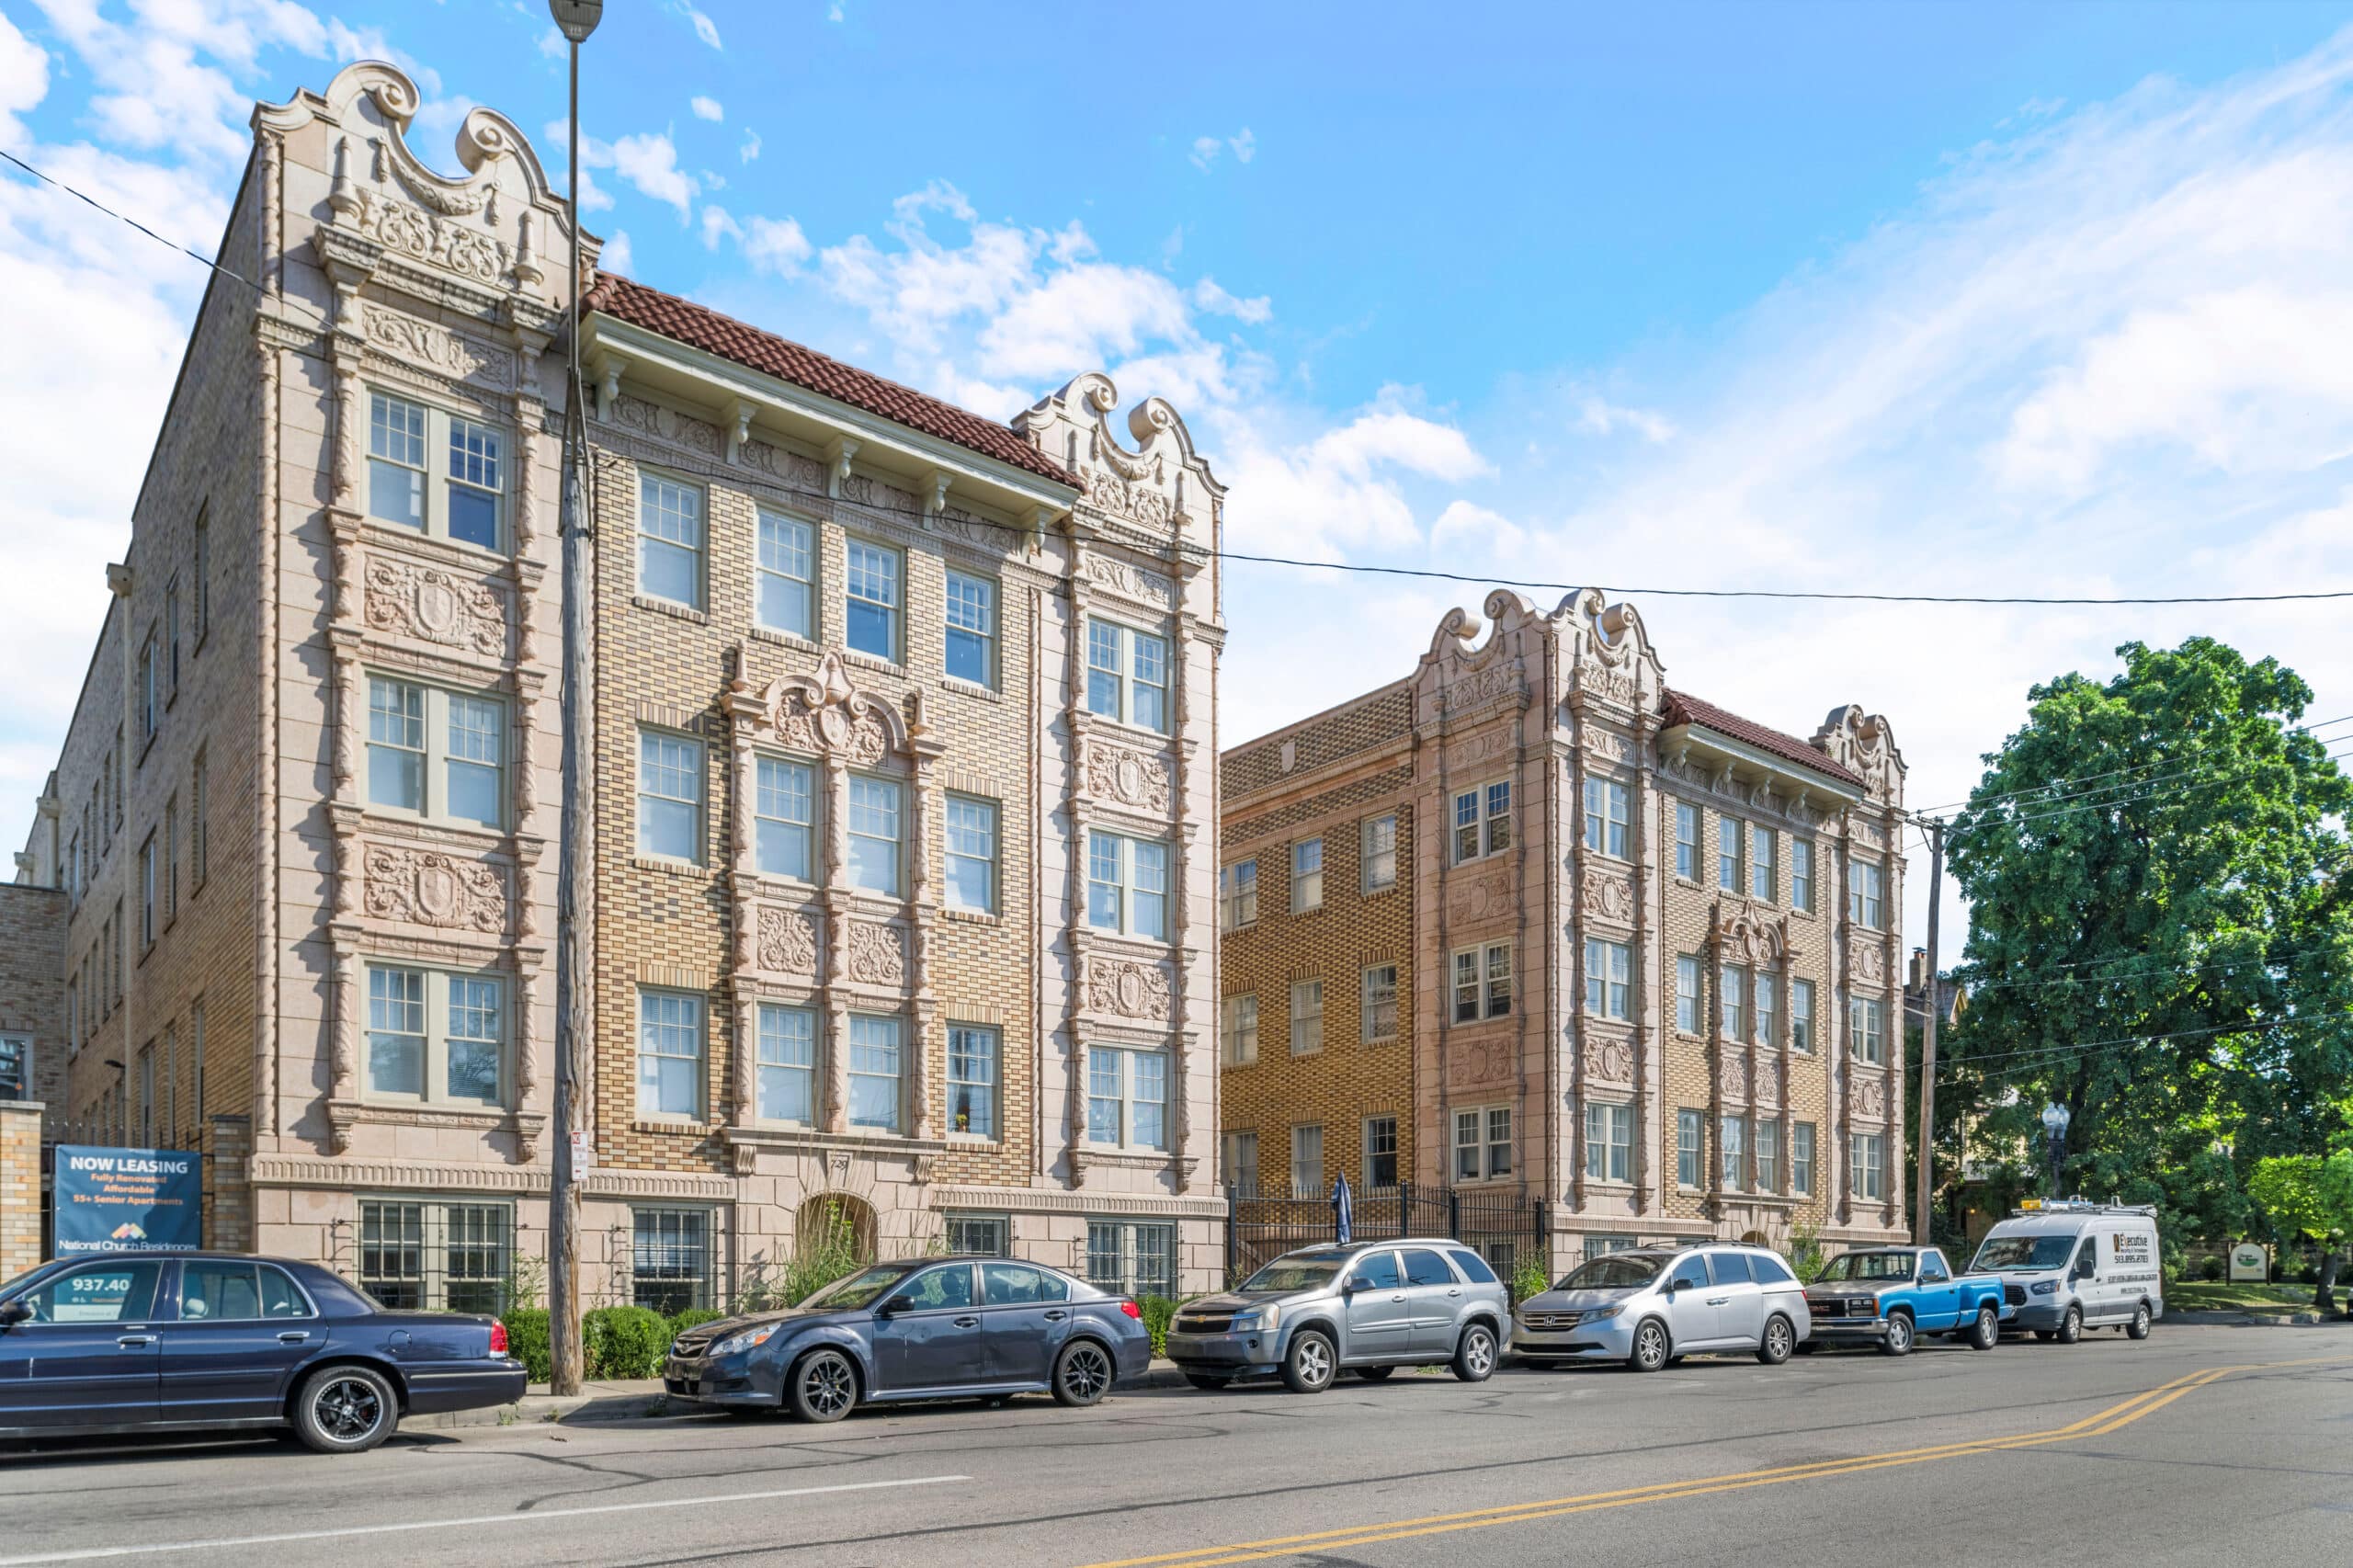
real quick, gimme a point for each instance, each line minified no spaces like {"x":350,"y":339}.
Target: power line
{"x":1202,"y":552}
{"x":2056,"y":1052}
{"x":2216,"y":776}
{"x":1974,"y":802}
{"x":2151,"y":970}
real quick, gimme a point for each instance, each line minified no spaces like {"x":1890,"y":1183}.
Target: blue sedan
{"x":153,"y":1342}
{"x":921,"y":1329}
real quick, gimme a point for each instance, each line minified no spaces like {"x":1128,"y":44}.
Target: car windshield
{"x":861,"y":1289}
{"x":2024,"y":1252}
{"x":1299,"y":1272}
{"x":1866,"y":1266}
{"x":1613,"y":1271}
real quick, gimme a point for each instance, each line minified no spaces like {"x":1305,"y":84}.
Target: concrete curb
{"x":2307,"y":1318}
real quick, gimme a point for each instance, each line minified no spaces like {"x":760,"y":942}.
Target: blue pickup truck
{"x":1894,"y":1295}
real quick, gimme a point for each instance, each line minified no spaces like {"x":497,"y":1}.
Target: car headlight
{"x":1602,"y":1314}
{"x":736,"y":1344}
{"x":1258,"y":1320}
{"x":2044,"y":1287}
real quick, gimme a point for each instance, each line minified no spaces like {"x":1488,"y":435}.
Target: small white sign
{"x":2250,"y":1261}
{"x":584,"y":1153}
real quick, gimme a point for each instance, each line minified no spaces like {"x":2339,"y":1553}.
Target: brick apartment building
{"x":1529,"y":920}
{"x":902,"y":730}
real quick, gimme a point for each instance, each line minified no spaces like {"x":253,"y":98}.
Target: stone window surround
{"x":440,"y":408}
{"x":435,"y":1033}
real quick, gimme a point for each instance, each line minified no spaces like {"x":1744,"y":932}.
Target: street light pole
{"x":573,"y":984}
{"x":2054,"y":1124}
{"x":1922,"y":1199}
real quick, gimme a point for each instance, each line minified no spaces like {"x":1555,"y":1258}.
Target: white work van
{"x":2066,"y":1267}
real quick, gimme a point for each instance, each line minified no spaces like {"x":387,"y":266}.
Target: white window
{"x":874,"y":1071}
{"x":1377,"y":1009}
{"x":669,"y":796}
{"x":1686,"y":841}
{"x":785,"y":594}
{"x":973,"y":1053}
{"x":198,"y":838}
{"x":1686,"y":993}
{"x":787,"y":1082}
{"x":1801,"y":1016}
{"x":979,"y":1235}
{"x":434,"y":1035}
{"x":1863,"y":1028}
{"x":396,"y":461}
{"x":1307,"y":875}
{"x":1802,"y":1159}
{"x":784,"y":819}
{"x":1767,"y":997}
{"x":969,"y":853}
{"x":1867,"y":894}
{"x":1127,"y":675}
{"x":1306,"y":1016}
{"x":1867,"y":1165}
{"x":1378,"y":855}
{"x":1307,"y":1162}
{"x":1690,"y":1151}
{"x":1127,"y":1097}
{"x":972,"y":628}
{"x":1769,"y":1155}
{"x":1241,"y":1029}
{"x":1605,"y":817}
{"x":1609,"y":1141}
{"x":430,"y":1257}
{"x":669,"y":1054}
{"x":1802,"y":875}
{"x":1732,"y":1140}
{"x":1728,"y":836}
{"x":871,"y":603}
{"x":1130,"y":1259}
{"x":1734,"y":985}
{"x":670,"y":1258}
{"x":1242,"y":1163}
{"x":147,"y":894}
{"x":151,"y":706}
{"x":1481,"y":1143}
{"x":669,"y":540}
{"x":17,"y":1064}
{"x":1127,"y":885}
{"x":1761,"y":864}
{"x":474,"y":485}
{"x":1608,"y":979}
{"x":1238,"y":895}
{"x":1379,"y":1151}
{"x":1483,"y":982}
{"x":1482,"y":821}
{"x":434,"y":754}
{"x":874,"y":835}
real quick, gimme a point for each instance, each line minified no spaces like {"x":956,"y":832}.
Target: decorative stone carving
{"x":1129,"y":777}
{"x":433,"y":348}
{"x":1135,"y":582}
{"x":1127,"y":988}
{"x":971,"y":526}
{"x":434,"y":605}
{"x":1156,"y":487}
{"x":426,"y":887}
{"x":1479,"y":748}
{"x":1607,"y":743}
{"x":788,"y":942}
{"x":877,"y":954}
{"x":1480,"y":897}
{"x":821,"y":711}
{"x":1772,"y":1082}
{"x":1470,"y":1063}
{"x":1732,"y":1075}
{"x":460,"y":247}
{"x":1871,"y":962}
{"x":1745,"y":934}
{"x":1475,"y":690}
{"x":1609,"y":1061}
{"x":796,"y":471}
{"x":1611,"y":683}
{"x":1871,"y":1098}
{"x":668,"y":424}
{"x":1864,"y":743}
{"x":1609,"y":894}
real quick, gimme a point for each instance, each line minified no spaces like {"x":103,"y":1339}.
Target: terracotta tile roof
{"x":700,"y":327}
{"x":1682,"y":708}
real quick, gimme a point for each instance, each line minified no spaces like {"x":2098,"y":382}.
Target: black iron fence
{"x":1504,"y":1224}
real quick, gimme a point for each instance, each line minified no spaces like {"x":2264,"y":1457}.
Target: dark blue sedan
{"x":923,"y":1329}
{"x":149,"y":1342}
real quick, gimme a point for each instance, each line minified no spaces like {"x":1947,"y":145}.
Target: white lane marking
{"x":88,"y":1553}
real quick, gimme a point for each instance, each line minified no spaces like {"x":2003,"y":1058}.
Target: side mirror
{"x":14,"y":1312}
{"x":897,"y":1304}
{"x":1352,"y":1284}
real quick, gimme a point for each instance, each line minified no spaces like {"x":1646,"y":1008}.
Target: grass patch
{"x":2245,"y":1296}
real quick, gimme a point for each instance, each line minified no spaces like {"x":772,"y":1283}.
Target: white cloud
{"x":1209,"y":297}
{"x":24,"y":79}
{"x":1244,"y":145}
{"x":617,"y":256}
{"x":1207,"y":149}
{"x":1340,"y":490}
{"x":555,"y":46}
{"x":707,"y":109}
{"x":1478,"y":533}
{"x":1597,"y":416}
{"x":751,"y":148}
{"x":705,"y":28}
{"x":645,"y":160}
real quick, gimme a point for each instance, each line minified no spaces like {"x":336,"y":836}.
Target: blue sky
{"x":1968,"y":298}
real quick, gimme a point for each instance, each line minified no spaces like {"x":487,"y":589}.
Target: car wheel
{"x":2139,"y":1327}
{"x":1897,"y":1340}
{"x":1988,"y":1332}
{"x":1474,"y":1354}
{"x":1083,"y":1373}
{"x":346,"y":1410}
{"x":1650,"y":1352}
{"x":1374,"y":1374}
{"x":1310,"y":1363}
{"x":1780,"y":1339}
{"x":2070,"y":1327}
{"x":1207,"y":1383}
{"x":824,"y":1386}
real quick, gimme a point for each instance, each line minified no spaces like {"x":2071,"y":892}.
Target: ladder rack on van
{"x":2033,"y":1205}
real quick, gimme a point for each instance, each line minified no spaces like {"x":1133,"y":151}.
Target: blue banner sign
{"x":127,"y":1200}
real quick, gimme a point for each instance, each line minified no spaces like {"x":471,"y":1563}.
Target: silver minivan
{"x":1652,"y":1306}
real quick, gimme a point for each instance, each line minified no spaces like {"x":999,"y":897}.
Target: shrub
{"x":527,"y":1340}
{"x":625,"y":1342}
{"x":1527,"y":1279}
{"x":2210,"y":1269}
{"x":826,"y":1252}
{"x":1804,"y":1251}
{"x":1159,"y":1312}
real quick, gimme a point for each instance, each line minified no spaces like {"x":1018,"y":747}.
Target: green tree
{"x":2309,"y":1195}
{"x":2159,"y":937}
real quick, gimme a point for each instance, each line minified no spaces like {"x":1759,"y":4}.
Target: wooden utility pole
{"x":1924,"y":1194}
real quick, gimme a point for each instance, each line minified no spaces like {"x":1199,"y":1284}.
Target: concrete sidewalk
{"x":638,"y":1399}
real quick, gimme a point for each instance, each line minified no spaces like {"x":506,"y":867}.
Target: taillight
{"x":1132,"y":1310}
{"x":497,"y":1337}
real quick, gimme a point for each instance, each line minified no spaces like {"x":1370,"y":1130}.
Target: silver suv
{"x":1370,"y":1308}
{"x":1653,"y":1306}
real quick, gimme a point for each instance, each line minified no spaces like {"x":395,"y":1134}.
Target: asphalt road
{"x":2200,"y":1445}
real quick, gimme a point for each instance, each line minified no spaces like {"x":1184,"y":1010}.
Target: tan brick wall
{"x":20,"y":1238}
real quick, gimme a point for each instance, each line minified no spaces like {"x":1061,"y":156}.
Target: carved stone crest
{"x":878,"y":954}
{"x":1871,"y":962}
{"x":1127,"y":776}
{"x":1745,"y":934}
{"x":434,"y":348}
{"x":1607,"y":743}
{"x":1608,"y":894}
{"x":1475,"y":690}
{"x":1479,"y":898}
{"x":1871,"y":1098}
{"x":1135,"y":582}
{"x":426,"y":887}
{"x":821,"y":711}
{"x":442,"y":240}
{"x":1609,"y":1061}
{"x":433,"y":606}
{"x":788,"y":942}
{"x":1472,"y":1062}
{"x":1732,"y":1075}
{"x":1131,"y":989}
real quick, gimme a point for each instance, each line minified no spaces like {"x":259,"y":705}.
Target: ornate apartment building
{"x":901,"y":723}
{"x":1531,"y":920}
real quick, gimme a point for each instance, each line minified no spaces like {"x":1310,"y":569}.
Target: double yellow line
{"x":2099,"y":1425}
